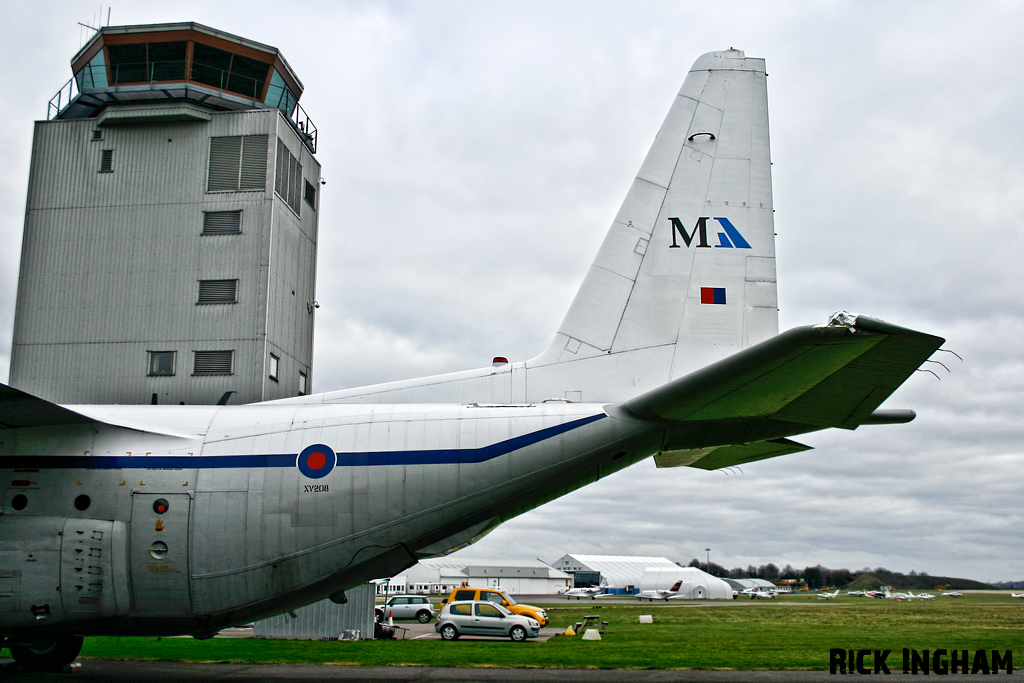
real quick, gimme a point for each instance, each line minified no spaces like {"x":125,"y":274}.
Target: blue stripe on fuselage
{"x":359,"y":459}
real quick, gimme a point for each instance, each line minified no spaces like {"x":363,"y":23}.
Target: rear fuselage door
{"x":159,"y":553}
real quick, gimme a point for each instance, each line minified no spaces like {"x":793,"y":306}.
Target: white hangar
{"x":441,"y":575}
{"x":621,"y":573}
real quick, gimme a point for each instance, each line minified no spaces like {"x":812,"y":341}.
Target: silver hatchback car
{"x":415,"y":607}
{"x":481,"y":618}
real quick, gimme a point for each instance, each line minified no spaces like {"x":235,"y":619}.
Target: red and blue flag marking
{"x":712,"y":295}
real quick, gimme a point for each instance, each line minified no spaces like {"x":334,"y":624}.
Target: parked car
{"x":484,"y":618}
{"x":406,"y":607}
{"x":498,"y":597}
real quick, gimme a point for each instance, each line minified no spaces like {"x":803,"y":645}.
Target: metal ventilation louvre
{"x":225,"y":154}
{"x":218,"y":292}
{"x":288,"y":181}
{"x":107,"y":161}
{"x":213,"y":363}
{"x":222,"y":222}
{"x":254,"y":163}
{"x":237,"y":162}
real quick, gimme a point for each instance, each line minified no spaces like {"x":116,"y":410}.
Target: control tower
{"x":169,"y":250}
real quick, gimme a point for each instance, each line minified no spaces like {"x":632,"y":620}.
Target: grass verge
{"x":789,"y":633}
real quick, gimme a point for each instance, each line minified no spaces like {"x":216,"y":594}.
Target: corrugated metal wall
{"x":111,"y":263}
{"x":324,"y":619}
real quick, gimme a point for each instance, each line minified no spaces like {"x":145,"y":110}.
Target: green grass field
{"x":792,"y":632}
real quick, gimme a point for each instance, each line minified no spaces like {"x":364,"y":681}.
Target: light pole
{"x":708,"y":551}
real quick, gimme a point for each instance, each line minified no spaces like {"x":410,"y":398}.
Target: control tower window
{"x":161,"y":363}
{"x":147,"y":62}
{"x":228,"y":71}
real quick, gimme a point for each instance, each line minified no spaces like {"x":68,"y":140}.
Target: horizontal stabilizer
{"x":832,"y":375}
{"x":716,"y":457}
{"x":18,"y":409}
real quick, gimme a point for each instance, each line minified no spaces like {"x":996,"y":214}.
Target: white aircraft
{"x":758,"y":593}
{"x":1016,"y":595}
{"x":164,"y":520}
{"x":591,"y":592}
{"x":953,"y":594}
{"x":920,"y":596}
{"x":897,"y":596}
{"x":828,"y":596}
{"x":652,"y":595}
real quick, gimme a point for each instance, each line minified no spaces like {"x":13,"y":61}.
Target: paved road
{"x":107,"y":671}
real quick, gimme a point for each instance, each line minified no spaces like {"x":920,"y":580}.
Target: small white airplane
{"x":953,"y":594}
{"x":1016,"y":595}
{"x":592,"y":592}
{"x":758,"y":593}
{"x":169,"y":520}
{"x":652,"y":595}
{"x":888,"y":595}
{"x":856,"y":594}
{"x":920,"y":596}
{"x":828,"y":596}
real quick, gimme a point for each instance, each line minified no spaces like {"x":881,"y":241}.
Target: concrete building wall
{"x":112,"y":260}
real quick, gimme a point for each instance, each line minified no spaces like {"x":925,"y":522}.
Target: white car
{"x":406,"y":607}
{"x":482,"y":618}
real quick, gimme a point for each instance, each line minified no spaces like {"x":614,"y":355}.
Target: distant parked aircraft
{"x":1017,"y":595}
{"x":828,"y":596}
{"x":591,"y":592}
{"x":653,"y":595}
{"x":953,"y":594}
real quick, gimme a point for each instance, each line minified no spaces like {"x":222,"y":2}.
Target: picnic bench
{"x":593,"y":620}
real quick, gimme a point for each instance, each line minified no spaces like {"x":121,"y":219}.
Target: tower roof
{"x":157,"y":64}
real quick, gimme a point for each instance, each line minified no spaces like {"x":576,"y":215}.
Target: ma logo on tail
{"x":729,"y":239}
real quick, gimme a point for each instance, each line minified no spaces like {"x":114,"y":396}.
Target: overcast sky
{"x":476,"y":153}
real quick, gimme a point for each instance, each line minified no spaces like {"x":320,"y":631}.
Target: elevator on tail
{"x":169,"y":520}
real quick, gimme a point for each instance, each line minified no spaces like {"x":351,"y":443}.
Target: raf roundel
{"x":316,"y":461}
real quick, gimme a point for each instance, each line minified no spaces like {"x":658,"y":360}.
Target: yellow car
{"x":498,"y":597}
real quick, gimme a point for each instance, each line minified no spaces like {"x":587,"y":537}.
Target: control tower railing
{"x":59,"y":102}
{"x":297,"y":116}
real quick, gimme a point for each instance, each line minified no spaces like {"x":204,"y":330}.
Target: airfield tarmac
{"x":109,"y":671}
{"x":114,"y":671}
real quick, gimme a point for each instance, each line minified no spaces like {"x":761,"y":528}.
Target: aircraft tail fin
{"x":686,"y":274}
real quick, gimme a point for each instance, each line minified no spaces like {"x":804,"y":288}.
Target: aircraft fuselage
{"x":248,"y":511}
